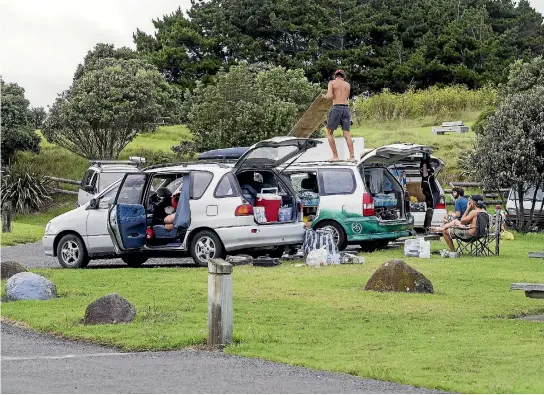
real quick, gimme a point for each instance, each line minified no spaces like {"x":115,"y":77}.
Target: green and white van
{"x":361,"y":203}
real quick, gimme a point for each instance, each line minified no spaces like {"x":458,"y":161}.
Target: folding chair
{"x":480,"y":244}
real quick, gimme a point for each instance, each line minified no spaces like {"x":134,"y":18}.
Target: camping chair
{"x":481,"y":243}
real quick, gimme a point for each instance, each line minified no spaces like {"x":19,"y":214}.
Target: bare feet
{"x":334,"y":159}
{"x":351,"y":159}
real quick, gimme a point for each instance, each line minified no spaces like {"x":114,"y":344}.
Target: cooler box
{"x":271,"y":202}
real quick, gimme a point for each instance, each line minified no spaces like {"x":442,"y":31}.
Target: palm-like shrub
{"x":24,"y":190}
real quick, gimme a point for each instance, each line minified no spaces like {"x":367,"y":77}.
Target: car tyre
{"x":369,"y":246}
{"x":338,"y":232}
{"x":206,"y":245}
{"x":134,"y":260}
{"x":382,"y":244}
{"x":274,"y":253}
{"x":72,"y":253}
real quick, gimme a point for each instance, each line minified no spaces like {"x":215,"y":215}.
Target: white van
{"x":361,"y":203}
{"x":103,"y":173}
{"x":513,"y":206}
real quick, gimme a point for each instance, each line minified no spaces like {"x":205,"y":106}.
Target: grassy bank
{"x":30,"y":228}
{"x":463,"y":338}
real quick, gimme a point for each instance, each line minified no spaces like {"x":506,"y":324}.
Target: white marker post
{"x":219,"y":302}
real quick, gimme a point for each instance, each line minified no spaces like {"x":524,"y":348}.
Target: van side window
{"x":226,"y":187}
{"x":201,"y":181}
{"x":336,"y":181}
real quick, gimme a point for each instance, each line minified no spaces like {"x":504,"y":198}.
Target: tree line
{"x":394,"y":44}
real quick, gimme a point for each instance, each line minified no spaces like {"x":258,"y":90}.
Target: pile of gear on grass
{"x":320,"y":249}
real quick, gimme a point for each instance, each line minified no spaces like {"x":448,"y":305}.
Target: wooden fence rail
{"x":57,"y":188}
{"x":486,"y":193}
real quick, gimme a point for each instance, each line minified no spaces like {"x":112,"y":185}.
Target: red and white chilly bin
{"x":271,"y":201}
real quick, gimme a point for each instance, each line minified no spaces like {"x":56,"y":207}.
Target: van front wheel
{"x":338,"y":234}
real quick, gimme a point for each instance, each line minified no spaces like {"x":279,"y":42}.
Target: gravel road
{"x":38,"y":363}
{"x":32,"y":256}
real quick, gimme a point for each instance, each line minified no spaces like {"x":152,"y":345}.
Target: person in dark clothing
{"x":429,"y":188}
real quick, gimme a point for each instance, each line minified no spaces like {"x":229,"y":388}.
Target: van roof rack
{"x":133,"y":160}
{"x":172,"y":164}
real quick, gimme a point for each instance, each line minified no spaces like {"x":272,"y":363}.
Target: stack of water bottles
{"x":385,"y":200}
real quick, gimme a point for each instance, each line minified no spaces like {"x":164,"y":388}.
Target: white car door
{"x":98,"y":238}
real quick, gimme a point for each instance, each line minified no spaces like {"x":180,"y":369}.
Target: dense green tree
{"x":17,"y":132}
{"x":109,"y":103}
{"x":510,"y":150}
{"x":380,"y":43}
{"x":248,"y":104}
{"x":37,"y":116}
{"x":181,"y":50}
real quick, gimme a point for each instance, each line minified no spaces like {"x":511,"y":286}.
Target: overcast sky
{"x":43,"y":41}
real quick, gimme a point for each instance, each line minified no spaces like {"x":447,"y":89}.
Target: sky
{"x":43,"y":41}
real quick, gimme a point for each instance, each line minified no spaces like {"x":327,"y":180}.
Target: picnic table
{"x":531,"y":290}
{"x":457,"y":127}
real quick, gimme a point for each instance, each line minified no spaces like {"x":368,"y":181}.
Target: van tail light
{"x":441,"y":203}
{"x":407,"y":206}
{"x":244,"y":210}
{"x":299,"y":207}
{"x":368,"y":205}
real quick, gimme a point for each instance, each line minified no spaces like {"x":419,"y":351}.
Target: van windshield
{"x":106,"y":179}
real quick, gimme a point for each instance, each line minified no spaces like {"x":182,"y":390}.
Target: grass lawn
{"x":462,"y":338}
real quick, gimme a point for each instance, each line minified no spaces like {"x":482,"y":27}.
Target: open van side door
{"x":127,"y":220}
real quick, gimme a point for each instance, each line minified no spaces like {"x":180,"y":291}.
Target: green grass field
{"x":464,"y":338}
{"x":30,"y":228}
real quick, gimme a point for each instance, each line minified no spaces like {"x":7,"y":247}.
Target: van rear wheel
{"x":338,"y":234}
{"x":206,"y":245}
{"x":369,"y":246}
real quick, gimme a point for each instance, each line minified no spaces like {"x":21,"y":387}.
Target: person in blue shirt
{"x":460,"y":206}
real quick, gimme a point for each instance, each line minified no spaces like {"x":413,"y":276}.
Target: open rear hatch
{"x":269,"y":154}
{"x":390,"y":154}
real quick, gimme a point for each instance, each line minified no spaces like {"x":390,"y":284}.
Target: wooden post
{"x":219,"y":302}
{"x":7,"y":212}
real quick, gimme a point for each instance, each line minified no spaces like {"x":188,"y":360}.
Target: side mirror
{"x":93,"y":204}
{"x":89,"y":188}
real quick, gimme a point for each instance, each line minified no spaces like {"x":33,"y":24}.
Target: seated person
{"x":466,"y":227}
{"x":460,"y":207}
{"x":171,"y":211}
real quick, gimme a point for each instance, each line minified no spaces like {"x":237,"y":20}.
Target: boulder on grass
{"x":109,"y":309}
{"x":397,"y":276}
{"x":11,"y":268}
{"x":29,"y":286}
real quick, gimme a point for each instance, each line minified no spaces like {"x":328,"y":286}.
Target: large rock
{"x":11,"y":268}
{"x":29,"y":286}
{"x":397,"y":276}
{"x":109,"y":309}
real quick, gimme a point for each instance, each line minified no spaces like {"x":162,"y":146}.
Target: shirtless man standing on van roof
{"x":339,"y":114}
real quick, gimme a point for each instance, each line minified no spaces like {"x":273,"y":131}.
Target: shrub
{"x":431,"y":102}
{"x":247,"y":104}
{"x":24,"y":189}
